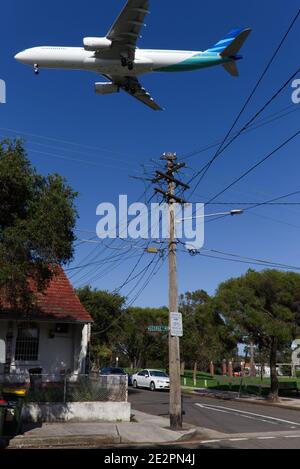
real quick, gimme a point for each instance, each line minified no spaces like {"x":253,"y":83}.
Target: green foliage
{"x":37,"y":219}
{"x":206,"y":336}
{"x":140,"y":347}
{"x":121,"y":332}
{"x":265,"y":306}
{"x":105,"y":309}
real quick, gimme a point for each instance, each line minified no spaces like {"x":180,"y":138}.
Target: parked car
{"x":152,"y":379}
{"x":115,"y":371}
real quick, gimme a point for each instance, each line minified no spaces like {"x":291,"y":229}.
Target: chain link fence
{"x":72,"y":388}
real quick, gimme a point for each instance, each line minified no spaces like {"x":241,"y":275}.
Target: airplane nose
{"x":21,"y":56}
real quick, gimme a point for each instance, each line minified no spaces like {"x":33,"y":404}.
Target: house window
{"x":27,"y":344}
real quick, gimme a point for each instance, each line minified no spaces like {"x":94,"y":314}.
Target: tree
{"x":136,"y":344}
{"x":37,"y":220}
{"x":206,"y":335}
{"x":266,"y":307}
{"x":106,"y":310}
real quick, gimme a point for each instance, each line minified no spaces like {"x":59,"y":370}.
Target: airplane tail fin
{"x":231,"y":68}
{"x":230,"y":45}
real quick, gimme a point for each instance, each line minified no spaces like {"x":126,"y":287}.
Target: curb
{"x":269,"y":404}
{"x":20,"y":442}
{"x":245,"y":401}
{"x":188,"y":436}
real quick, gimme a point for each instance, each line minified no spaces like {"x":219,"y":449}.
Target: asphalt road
{"x":238,"y":425}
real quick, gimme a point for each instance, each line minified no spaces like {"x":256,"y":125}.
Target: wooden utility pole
{"x":175,"y":409}
{"x":174,"y":346}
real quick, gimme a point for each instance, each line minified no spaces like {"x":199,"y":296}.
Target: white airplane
{"x":118,"y":59}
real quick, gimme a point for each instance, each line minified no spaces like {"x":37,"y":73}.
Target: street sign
{"x":2,"y":352}
{"x":158,"y":329}
{"x":176,"y":325}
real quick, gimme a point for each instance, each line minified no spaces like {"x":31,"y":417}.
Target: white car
{"x":152,"y":379}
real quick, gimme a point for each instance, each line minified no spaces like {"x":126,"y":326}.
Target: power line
{"x":246,"y":173}
{"x":132,"y":245}
{"x":76,"y":160}
{"x":106,"y":260}
{"x":253,"y":92}
{"x":156,"y":269}
{"x":251,"y":127}
{"x":96,"y":250}
{"x":259,"y":204}
{"x":207,"y":166}
{"x":244,"y":260}
{"x":98,"y":274}
{"x":254,"y":204}
{"x":152,"y":274}
{"x":147,"y":281}
{"x":47,"y":146}
{"x":128,"y":278}
{"x":66,"y":142}
{"x":220,"y":149}
{"x":274,"y":200}
{"x":264,"y":261}
{"x":259,"y":215}
{"x":97,"y":269}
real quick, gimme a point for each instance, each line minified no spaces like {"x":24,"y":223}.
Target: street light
{"x":231,"y":213}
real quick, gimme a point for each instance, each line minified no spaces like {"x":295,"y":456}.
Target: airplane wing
{"x":126,"y":30}
{"x":133,"y":87}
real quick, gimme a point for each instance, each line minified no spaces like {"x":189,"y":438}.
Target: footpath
{"x":144,"y":429}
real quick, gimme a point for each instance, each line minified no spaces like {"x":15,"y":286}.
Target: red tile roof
{"x":59,"y":302}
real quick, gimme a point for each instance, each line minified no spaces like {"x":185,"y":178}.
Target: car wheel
{"x":135,"y":384}
{"x":152,"y":386}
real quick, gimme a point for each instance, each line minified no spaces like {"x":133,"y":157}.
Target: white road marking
{"x":237,"y":414}
{"x":238,"y":439}
{"x":223,"y":440}
{"x":210,"y":441}
{"x":228,"y":409}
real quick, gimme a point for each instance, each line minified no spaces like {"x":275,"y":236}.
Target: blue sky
{"x":114,"y":135}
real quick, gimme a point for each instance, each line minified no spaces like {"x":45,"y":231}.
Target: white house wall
{"x":81,"y":341}
{"x":58,"y":354}
{"x":3,"y":329}
{"x":55,"y":354}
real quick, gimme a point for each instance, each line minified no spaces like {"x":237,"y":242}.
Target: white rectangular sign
{"x":176,"y":325}
{"x":2,"y":352}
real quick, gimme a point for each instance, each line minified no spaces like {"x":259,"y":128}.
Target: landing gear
{"x":125,"y":62}
{"x":130,"y":89}
{"x":36,"y":69}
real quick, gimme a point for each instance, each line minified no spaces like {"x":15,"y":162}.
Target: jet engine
{"x":96,"y":43}
{"x":106,"y":88}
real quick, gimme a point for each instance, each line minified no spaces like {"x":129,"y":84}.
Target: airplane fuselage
{"x":146,"y":60}
{"x":117,"y":57}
